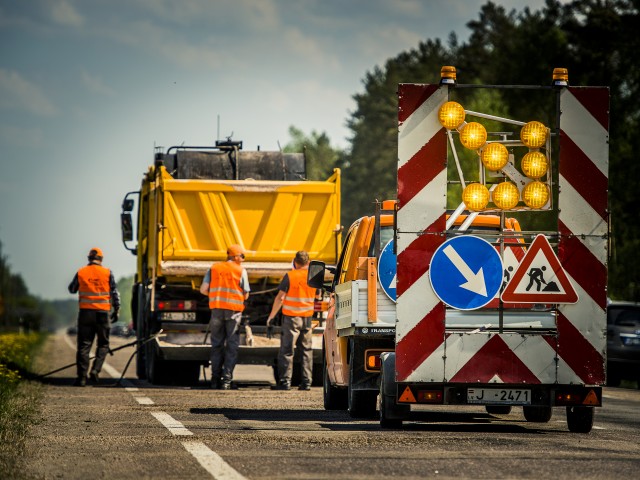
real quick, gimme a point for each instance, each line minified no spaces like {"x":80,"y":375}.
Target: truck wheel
{"x":141,"y":356}
{"x":360,"y":403}
{"x":157,"y":368}
{"x":580,"y":419}
{"x":334,"y":398}
{"x":317,"y":376}
{"x":498,"y":409}
{"x":537,"y":414}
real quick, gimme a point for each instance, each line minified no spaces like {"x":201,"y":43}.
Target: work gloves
{"x":269,"y":329}
{"x":114,"y":315}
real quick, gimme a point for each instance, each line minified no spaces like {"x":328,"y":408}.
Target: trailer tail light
{"x":372,"y":360}
{"x":429,"y":396}
{"x":174,"y":305}
{"x":415,"y":394}
{"x":582,"y":396}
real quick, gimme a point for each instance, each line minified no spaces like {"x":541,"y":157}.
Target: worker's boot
{"x":93,"y":376}
{"x":281,"y":386}
{"x":80,"y":382}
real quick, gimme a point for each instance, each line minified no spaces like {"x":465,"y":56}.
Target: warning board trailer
{"x":551,"y":172}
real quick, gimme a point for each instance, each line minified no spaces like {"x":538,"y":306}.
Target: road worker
{"x":227,"y":286}
{"x":296,"y":298}
{"x":98,"y":294}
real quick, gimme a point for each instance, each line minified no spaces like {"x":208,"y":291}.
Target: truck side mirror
{"x":127,"y":227}
{"x":315,"y":274}
{"x":127,"y":204}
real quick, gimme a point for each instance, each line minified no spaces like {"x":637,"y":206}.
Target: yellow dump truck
{"x":192,"y":204}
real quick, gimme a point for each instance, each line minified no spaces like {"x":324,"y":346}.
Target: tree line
{"x":596,"y":40}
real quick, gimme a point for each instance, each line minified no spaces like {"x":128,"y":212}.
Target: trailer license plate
{"x":184,"y":316}
{"x":505,"y":396}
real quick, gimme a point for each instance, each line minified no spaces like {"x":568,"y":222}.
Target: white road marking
{"x":173,"y":425}
{"x":144,"y":400}
{"x":207,"y":458}
{"x":212,"y":462}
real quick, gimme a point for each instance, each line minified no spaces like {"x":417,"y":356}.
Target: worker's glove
{"x":114,"y":316}
{"x":269,"y":329}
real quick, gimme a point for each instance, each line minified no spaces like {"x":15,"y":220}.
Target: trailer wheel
{"x":334,"y":398}
{"x":385,"y":407}
{"x":537,"y":414}
{"x":391,"y":414}
{"x":580,"y":419}
{"x":498,"y":409}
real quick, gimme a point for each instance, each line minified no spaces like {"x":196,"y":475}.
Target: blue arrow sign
{"x":466,"y":272}
{"x":387,"y":270}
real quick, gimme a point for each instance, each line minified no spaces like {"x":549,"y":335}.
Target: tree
{"x":321,"y":157}
{"x":597,"y":40}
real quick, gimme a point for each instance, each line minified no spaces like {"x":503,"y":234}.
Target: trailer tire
{"x":580,"y":419}
{"x":498,"y":409}
{"x":537,"y":414}
{"x":334,"y":398}
{"x":391,"y":414}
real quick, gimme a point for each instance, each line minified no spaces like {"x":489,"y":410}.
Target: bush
{"x":19,"y":399}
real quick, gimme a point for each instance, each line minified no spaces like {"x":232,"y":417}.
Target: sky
{"x":88,"y":89}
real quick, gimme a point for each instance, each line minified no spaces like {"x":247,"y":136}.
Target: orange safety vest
{"x":94,"y":292}
{"x":224,"y":289}
{"x":298,"y":302}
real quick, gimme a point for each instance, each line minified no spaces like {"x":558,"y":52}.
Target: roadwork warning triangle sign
{"x":540,"y":278}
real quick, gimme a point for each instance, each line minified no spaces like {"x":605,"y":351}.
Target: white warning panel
{"x":539,"y":278}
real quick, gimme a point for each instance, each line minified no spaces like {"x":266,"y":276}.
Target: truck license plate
{"x":505,"y":396}
{"x":184,"y":316}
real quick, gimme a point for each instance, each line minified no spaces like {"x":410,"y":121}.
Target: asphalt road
{"x":136,"y":430}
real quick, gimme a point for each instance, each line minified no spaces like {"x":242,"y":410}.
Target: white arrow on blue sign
{"x":387,"y":270}
{"x":466,"y":272}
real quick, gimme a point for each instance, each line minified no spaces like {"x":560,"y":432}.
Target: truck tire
{"x":537,"y":414}
{"x":157,"y":368}
{"x":498,"y":409}
{"x":360,"y":403}
{"x":140,"y":322}
{"x":391,"y":414}
{"x":580,"y":419}
{"x":334,"y":398}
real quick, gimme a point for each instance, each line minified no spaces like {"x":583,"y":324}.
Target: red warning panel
{"x":540,"y":278}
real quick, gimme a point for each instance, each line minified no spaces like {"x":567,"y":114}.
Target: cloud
{"x":17,"y":93}
{"x":65,"y":14}
{"x":21,"y":137}
{"x":96,"y":85}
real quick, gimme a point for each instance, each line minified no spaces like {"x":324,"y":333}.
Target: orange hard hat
{"x":95,"y":252}
{"x":234,"y":250}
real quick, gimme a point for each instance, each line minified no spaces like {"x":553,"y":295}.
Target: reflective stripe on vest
{"x":298,"y":302}
{"x":94,"y":292}
{"x":224,"y":289}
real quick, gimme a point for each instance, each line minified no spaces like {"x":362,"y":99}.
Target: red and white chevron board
{"x":425,"y":352}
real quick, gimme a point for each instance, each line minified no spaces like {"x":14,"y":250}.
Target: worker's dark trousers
{"x":225,"y":341}
{"x":91,"y":324}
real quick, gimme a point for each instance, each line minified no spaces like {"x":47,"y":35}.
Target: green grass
{"x":19,"y":398}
